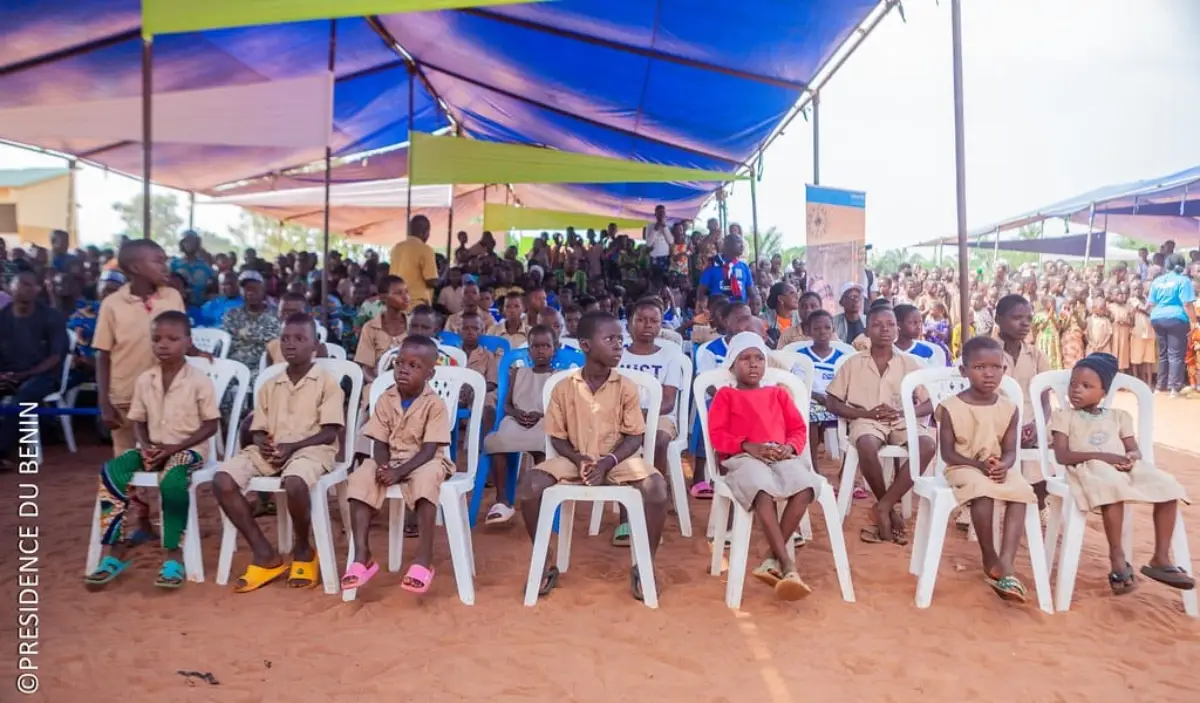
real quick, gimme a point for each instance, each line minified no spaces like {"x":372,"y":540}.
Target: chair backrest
{"x":386,"y":360}
{"x":645,"y":382}
{"x":494,"y":343}
{"x":450,"y":339}
{"x":710,"y":381}
{"x":341,"y":370}
{"x":448,"y":382}
{"x":213,"y":341}
{"x":322,"y":333}
{"x":458,"y":355}
{"x":940,"y":358}
{"x":564,"y":358}
{"x":671,"y":336}
{"x":222,"y":372}
{"x":335,"y":351}
{"x":67,"y":362}
{"x":798,"y":364}
{"x":940,"y":384}
{"x":1056,"y":383}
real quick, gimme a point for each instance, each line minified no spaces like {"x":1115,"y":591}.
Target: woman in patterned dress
{"x":251,"y":326}
{"x":1074,"y":322}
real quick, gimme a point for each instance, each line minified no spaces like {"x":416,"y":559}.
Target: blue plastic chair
{"x":495,"y":344}
{"x":450,"y":339}
{"x":564,"y":358}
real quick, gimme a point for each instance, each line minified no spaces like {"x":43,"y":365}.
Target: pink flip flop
{"x":358,"y":575}
{"x":701,"y":491}
{"x":417,"y":574}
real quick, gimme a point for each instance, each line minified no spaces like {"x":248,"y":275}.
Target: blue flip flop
{"x":171,"y":575}
{"x":110,"y":568}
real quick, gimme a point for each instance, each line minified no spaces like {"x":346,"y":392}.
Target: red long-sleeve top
{"x":766,"y":414}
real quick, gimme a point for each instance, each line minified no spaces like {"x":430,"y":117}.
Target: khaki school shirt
{"x":173,"y":415}
{"x":594,"y":423}
{"x":123,"y":330}
{"x":405,"y":431}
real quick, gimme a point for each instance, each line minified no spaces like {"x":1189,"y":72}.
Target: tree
{"x":165,"y":220}
{"x":214,"y":243}
{"x":770,"y":243}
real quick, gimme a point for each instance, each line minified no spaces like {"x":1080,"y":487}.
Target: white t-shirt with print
{"x":663,"y":365}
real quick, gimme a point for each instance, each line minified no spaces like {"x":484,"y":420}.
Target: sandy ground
{"x":589,"y":641}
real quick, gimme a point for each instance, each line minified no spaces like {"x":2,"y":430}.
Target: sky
{"x":1061,"y":96}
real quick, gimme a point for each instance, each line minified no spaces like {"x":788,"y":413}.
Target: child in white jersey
{"x":825,"y":358}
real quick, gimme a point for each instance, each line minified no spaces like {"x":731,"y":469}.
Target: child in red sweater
{"x":759,"y":437}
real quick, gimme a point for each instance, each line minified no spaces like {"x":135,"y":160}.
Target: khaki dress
{"x":527,"y":397}
{"x":1122,"y":318}
{"x":1143,"y":344}
{"x":1097,"y":483}
{"x":978,"y":432}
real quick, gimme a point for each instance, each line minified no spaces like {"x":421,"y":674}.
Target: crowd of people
{"x":127,"y":317}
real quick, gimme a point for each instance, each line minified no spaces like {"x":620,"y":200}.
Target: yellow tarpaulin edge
{"x":175,"y":16}
{"x":435,"y":160}
{"x":500,"y":217}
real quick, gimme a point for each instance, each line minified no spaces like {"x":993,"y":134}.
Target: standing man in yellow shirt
{"x":413,"y":261}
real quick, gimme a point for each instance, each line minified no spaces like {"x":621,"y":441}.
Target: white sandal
{"x":499,"y":514}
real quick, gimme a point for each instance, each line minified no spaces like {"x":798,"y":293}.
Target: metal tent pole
{"x":72,"y":205}
{"x":996,"y":249}
{"x":191,"y":210}
{"x":960,"y":169}
{"x":412,"y":78}
{"x":328,"y":187}
{"x":1104,"y":252}
{"x":754,"y":205}
{"x":816,"y":122}
{"x":147,"y":132}
{"x":1087,"y":245}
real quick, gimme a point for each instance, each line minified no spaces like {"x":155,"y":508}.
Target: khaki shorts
{"x":889,"y":433}
{"x":309,"y":463}
{"x":666,"y":423}
{"x":424,"y":482}
{"x":631,"y":470}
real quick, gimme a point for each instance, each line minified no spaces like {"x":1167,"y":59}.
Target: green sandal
{"x":621,"y":535}
{"x":171,"y":575}
{"x":1009,"y":588}
{"x":110,"y":568}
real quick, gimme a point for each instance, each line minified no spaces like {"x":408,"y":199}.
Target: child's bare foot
{"x":899,"y":527}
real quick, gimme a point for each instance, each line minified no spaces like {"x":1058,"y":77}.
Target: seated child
{"x":979,"y":433}
{"x":174,"y":413}
{"x":571,"y":317}
{"x":410,"y":430}
{"x":513,"y":327}
{"x":663,"y":361}
{"x":424,"y":321}
{"x":291,"y":304}
{"x":479,"y":360}
{"x":595,"y":425}
{"x":549,"y":317}
{"x":1105,"y":468}
{"x":385,"y":330}
{"x":759,"y":437}
{"x":825,"y":358}
{"x":520,"y":429}
{"x":866,"y":392}
{"x":910,"y":326}
{"x":297,"y":416}
{"x":487,"y":303}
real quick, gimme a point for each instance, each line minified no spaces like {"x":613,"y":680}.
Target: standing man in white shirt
{"x":658,"y":238}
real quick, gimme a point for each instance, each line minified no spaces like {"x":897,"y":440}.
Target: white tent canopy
{"x":390,"y":193}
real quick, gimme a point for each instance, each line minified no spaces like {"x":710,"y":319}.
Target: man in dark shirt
{"x":34,"y":337}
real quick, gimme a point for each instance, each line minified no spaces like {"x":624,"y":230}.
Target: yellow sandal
{"x":303,"y":574}
{"x":255,"y":577}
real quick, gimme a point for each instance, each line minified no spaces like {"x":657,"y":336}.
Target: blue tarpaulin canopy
{"x":1154,"y":209}
{"x":695,"y":83}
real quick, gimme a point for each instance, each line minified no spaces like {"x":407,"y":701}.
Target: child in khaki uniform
{"x":290,"y":304}
{"x":979,"y":445}
{"x":513,"y":327}
{"x":1106,"y":470}
{"x":384,"y":331}
{"x":866,"y":392}
{"x":595,"y":424}
{"x":122,"y":339}
{"x":410,"y":429}
{"x":297,"y":416}
{"x":174,"y":413}
{"x":1023,"y":361}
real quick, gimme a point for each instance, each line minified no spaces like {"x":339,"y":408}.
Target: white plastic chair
{"x":1064,"y":511}
{"x":743,"y":520}
{"x":213,"y":341}
{"x":322,"y":333}
{"x":452,"y":499}
{"x":334,"y":351}
{"x":566,"y":495}
{"x":832,"y":444}
{"x":679,"y":494}
{"x":457,"y":355}
{"x":937,"y":498}
{"x":59,"y":398}
{"x":322,"y":530}
{"x":222,"y":372}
